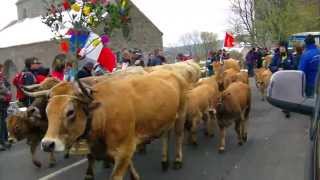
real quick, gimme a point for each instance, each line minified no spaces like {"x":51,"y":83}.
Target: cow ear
{"x":94,"y":105}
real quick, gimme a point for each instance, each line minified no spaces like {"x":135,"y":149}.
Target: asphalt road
{"x":277,"y":149}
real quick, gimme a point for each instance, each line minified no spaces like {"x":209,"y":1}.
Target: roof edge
{"x":144,"y":15}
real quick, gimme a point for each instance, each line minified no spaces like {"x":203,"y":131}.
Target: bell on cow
{"x":80,"y":148}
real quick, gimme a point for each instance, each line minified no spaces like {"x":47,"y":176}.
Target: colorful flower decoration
{"x":82,"y":17}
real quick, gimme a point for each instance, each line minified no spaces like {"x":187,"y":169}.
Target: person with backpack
{"x":309,"y":64}
{"x":26,"y":77}
{"x":5,"y":98}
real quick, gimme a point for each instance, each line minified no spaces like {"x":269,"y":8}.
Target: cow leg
{"x":165,"y":151}
{"x":133,"y":172}
{"x":238,"y":128}
{"x":179,"y":134}
{"x":52,"y":160}
{"x":33,"y":149}
{"x":211,"y":123}
{"x":90,"y":172}
{"x":244,"y":126}
{"x":222,"y":139}
{"x":262,"y":90}
{"x":194,"y":129}
{"x":122,"y":162}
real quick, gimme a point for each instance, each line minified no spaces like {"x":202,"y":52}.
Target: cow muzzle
{"x":50,"y":145}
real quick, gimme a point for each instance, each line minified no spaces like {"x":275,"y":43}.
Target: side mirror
{"x":286,"y":91}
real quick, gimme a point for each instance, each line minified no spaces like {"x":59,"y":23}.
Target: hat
{"x":309,"y":40}
{"x":32,"y":60}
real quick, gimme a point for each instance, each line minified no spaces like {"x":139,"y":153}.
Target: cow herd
{"x":117,"y":113}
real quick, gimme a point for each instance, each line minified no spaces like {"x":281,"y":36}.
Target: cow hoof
{"x":66,"y":156}
{"x":195,"y":144}
{"x":211,"y":135}
{"x":142,"y":151}
{"x":288,"y":115}
{"x":221,"y":150}
{"x":177,"y":165}
{"x":240,"y":143}
{"x":89,"y":177}
{"x":106,"y":164}
{"x":37,"y":164}
{"x":52,"y":164}
{"x":165,"y":166}
{"x":245,"y":138}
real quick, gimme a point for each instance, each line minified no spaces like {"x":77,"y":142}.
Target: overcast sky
{"x":173,"y":17}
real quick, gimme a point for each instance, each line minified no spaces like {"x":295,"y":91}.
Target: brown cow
{"x":227,"y":65}
{"x":243,"y":76}
{"x":234,"y":107}
{"x":262,"y":77}
{"x":201,"y":101}
{"x":116,"y":116}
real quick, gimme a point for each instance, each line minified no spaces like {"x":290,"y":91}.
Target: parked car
{"x":290,"y":96}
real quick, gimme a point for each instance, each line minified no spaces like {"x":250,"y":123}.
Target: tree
{"x":245,"y":12}
{"x":267,"y":21}
{"x":209,"y":41}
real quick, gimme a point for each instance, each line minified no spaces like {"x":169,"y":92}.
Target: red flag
{"x":229,"y":40}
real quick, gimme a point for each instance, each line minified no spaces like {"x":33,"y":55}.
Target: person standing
{"x":297,"y":56}
{"x":157,"y":59}
{"x":26,"y":77}
{"x":250,"y":61}
{"x":5,"y":98}
{"x":282,"y":59}
{"x":58,"y":66}
{"x":86,"y":70}
{"x":309,"y":64}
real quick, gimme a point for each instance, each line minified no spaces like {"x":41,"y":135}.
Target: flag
{"x":229,"y":40}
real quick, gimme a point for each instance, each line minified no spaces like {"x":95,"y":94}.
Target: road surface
{"x":277,"y":149}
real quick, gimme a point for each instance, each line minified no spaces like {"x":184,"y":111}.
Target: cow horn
{"x":31,"y":87}
{"x":36,"y":94}
{"x":85,"y":89}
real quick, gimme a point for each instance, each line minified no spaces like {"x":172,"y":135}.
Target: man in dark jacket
{"x":309,"y":63}
{"x":250,"y":61}
{"x":282,"y":59}
{"x":5,"y":97}
{"x":86,"y":71}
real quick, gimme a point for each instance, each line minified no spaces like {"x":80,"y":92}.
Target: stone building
{"x":27,"y":41}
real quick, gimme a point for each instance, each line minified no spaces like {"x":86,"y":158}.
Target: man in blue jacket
{"x":309,"y":64}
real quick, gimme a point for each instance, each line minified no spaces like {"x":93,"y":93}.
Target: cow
{"x":189,"y":70}
{"x":231,"y":66}
{"x":32,"y":123}
{"x":262,"y":77}
{"x":226,"y":64}
{"x":243,"y":76}
{"x":116,"y":116}
{"x":201,"y":102}
{"x":234,"y":107}
{"x":267,"y":61}
{"x":24,"y":125}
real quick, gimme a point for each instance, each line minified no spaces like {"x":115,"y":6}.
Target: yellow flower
{"x":86,"y":10}
{"x":76,"y":7}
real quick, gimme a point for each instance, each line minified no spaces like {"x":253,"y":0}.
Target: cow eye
{"x":70,"y":114}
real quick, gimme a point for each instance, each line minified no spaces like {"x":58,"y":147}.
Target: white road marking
{"x":67,"y":168}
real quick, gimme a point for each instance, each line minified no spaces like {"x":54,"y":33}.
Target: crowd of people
{"x":213,"y":56}
{"x":34,"y":72}
{"x":305,"y":59}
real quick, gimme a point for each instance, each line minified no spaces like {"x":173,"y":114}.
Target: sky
{"x":173,"y":17}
